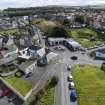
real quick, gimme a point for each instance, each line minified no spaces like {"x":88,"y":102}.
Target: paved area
{"x":62,"y":91}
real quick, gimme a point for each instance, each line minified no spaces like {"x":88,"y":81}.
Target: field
{"x":90,"y":84}
{"x":86,"y":37}
{"x":20,"y":85}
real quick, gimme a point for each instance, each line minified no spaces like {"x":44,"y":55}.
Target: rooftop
{"x":26,"y":64}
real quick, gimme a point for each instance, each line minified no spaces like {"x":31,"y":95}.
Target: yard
{"x":8,"y":31}
{"x":90,"y":84}
{"x":20,"y":85}
{"x":6,"y":69}
{"x":86,"y":37}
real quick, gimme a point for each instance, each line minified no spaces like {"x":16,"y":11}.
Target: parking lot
{"x":7,"y":97}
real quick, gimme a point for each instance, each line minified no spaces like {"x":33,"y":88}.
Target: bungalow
{"x":72,"y":44}
{"x":28,"y":67}
{"x":55,"y":41}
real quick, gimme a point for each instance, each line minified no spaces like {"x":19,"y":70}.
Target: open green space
{"x":86,"y":37}
{"x":8,"y":31}
{"x":20,"y":85}
{"x":90,"y":84}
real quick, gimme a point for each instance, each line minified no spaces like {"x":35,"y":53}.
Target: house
{"x":55,"y":41}
{"x":72,"y":44}
{"x":8,"y":55}
{"x":47,"y":59}
{"x":32,"y":52}
{"x":51,"y":57}
{"x":28,"y":67}
{"x":100,"y":54}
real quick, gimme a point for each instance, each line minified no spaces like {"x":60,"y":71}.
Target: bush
{"x":103,"y":67}
{"x":54,"y":81}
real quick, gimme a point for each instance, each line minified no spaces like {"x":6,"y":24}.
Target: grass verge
{"x":90,"y":84}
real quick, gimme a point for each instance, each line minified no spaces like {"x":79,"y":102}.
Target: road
{"x":62,"y":91}
{"x":62,"y":96}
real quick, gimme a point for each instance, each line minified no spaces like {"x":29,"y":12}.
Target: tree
{"x":66,"y":22}
{"x":57,"y":32}
{"x":79,"y":19}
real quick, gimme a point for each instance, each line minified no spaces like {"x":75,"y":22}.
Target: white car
{"x":71,"y":86}
{"x":69,"y":67}
{"x":70,"y":78}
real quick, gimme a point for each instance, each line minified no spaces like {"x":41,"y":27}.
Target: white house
{"x":50,"y":57}
{"x":28,"y":67}
{"x":32,"y":52}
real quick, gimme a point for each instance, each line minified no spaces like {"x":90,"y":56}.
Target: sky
{"x":34,"y":3}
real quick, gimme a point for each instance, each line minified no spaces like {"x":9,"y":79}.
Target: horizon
{"x":42,"y":3}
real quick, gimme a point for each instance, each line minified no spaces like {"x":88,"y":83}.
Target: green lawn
{"x":20,"y":85}
{"x":90,"y":84}
{"x":8,"y":31}
{"x":85,"y":36}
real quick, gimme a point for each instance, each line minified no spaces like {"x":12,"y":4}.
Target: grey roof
{"x":25,"y":65}
{"x":101,"y":51}
{"x":56,"y":39}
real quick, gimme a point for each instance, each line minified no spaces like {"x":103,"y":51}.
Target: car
{"x":12,"y":98}
{"x":69,"y":67}
{"x":1,"y":93}
{"x":74,"y":57}
{"x":73,"y":96}
{"x":71,"y":86}
{"x":6,"y":92}
{"x":28,"y":75}
{"x":70,"y":78}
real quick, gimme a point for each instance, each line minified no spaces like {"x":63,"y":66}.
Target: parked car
{"x":71,"y":86}
{"x":69,"y":67}
{"x":74,"y":57}
{"x":73,"y":96}
{"x":12,"y":98}
{"x":28,"y":75}
{"x":1,"y":93}
{"x":70,"y":78}
{"x":6,"y":92}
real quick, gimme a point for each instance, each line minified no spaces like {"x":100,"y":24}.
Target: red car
{"x":6,"y":92}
